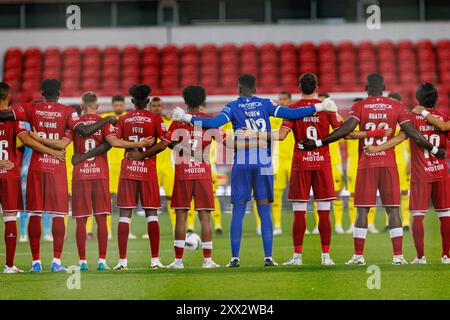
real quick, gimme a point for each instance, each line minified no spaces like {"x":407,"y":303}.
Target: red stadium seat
{"x":130,"y":50}
{"x":91,"y":51}
{"x":90,"y":73}
{"x":111,"y":51}
{"x":288,"y":47}
{"x":150,"y":50}
{"x":268,"y":58}
{"x":150,"y":60}
{"x":90,"y":84}
{"x":33,"y":52}
{"x":208,"y":48}
{"x":51,"y":73}
{"x":169,"y":49}
{"x":71,"y":52}
{"x":229,"y":48}
{"x":267,"y":47}
{"x":170,"y":59}
{"x":307,"y":46}
{"x":405,"y":45}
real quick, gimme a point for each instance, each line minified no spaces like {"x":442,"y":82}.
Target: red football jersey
{"x":424,"y":166}
{"x":9,"y":130}
{"x":96,"y":167}
{"x":315,"y":127}
{"x":50,"y":119}
{"x":186,"y":166}
{"x":377,"y":112}
{"x":134,"y":126}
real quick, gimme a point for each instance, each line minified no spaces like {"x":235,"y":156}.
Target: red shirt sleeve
{"x":355,"y":112}
{"x":108,"y":130}
{"x":72,"y":118}
{"x":287,"y":124}
{"x":19,"y":128}
{"x":119,"y":128}
{"x":404,"y":116}
{"x":21,"y":113}
{"x":160,"y":127}
{"x":168,"y":134}
{"x":335,"y":119}
{"x":68,"y":135}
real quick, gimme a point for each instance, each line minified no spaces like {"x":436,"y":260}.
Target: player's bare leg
{"x":180,"y":236}
{"x":396,"y":233}
{"x":10,"y":220}
{"x":123,"y":230}
{"x":206,"y":236}
{"x":359,"y":236}
{"x":154,"y":236}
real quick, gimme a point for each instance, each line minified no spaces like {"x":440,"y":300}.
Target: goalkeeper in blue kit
{"x":252,"y":168}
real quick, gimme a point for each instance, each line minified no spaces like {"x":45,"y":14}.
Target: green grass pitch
{"x":251,"y":281}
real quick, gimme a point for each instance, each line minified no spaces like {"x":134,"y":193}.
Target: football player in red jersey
{"x":437,"y":122}
{"x":10,"y":189}
{"x":378,"y":170}
{"x":192,"y":177}
{"x":90,"y":183}
{"x":47,"y":178}
{"x":138,"y":179}
{"x":310,"y":169}
{"x":429,"y":174}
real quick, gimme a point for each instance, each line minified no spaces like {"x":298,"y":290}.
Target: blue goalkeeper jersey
{"x":252,"y":113}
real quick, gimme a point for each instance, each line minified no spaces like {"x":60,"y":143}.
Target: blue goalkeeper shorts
{"x":246,"y":178}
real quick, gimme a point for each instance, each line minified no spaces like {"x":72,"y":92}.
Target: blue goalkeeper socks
{"x":237,"y":220}
{"x":264,"y":211}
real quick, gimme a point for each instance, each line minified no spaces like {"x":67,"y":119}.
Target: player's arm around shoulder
{"x":391,"y":143}
{"x":41,"y":148}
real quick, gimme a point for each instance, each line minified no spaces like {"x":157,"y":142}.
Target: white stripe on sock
{"x":124,"y":220}
{"x":9,"y":218}
{"x":360,"y":233}
{"x":207,"y":245}
{"x":396,"y":232}
{"x":178,"y":243}
{"x":442,"y":214}
{"x":152,"y":218}
{"x":323,"y":205}
{"x":299,"y":206}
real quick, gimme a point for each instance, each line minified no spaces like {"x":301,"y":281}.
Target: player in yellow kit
{"x":282,"y":161}
{"x":217,"y":213}
{"x":403,"y":156}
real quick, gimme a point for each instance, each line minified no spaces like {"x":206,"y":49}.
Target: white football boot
{"x":122,"y":265}
{"x":422,"y":260}
{"x":296,"y":260}
{"x":445,"y":260}
{"x":398,"y":260}
{"x":326,"y":260}
{"x":209,"y":264}
{"x":176,"y":264}
{"x":156,"y":264}
{"x":315,"y":231}
{"x":12,"y":269}
{"x":356,"y":260}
